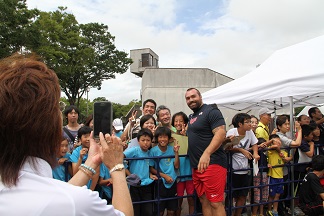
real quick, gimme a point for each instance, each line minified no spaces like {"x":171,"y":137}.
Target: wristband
{"x":87,"y":172}
{"x":89,"y":168}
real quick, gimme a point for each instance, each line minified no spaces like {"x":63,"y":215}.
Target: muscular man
{"x":206,"y":132}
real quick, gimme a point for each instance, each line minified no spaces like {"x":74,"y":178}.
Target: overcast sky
{"x":230,"y":37}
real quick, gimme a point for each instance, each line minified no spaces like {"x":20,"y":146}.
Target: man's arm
{"x":219,"y":136}
{"x":320,"y":121}
{"x":124,"y":136}
{"x":256,"y":155}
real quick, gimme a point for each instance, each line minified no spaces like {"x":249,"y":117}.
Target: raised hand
{"x":183,"y":130}
{"x":132,"y":119}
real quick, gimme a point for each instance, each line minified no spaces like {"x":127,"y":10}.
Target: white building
{"x":167,"y":86}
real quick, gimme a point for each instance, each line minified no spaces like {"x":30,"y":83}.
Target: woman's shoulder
{"x":80,"y":199}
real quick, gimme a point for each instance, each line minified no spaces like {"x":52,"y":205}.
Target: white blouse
{"x":37,"y":193}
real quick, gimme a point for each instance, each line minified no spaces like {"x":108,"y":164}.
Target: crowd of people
{"x":258,"y":159}
{"x":162,"y":158}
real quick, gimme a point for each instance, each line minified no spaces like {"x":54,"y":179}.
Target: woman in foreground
{"x":30,"y":135}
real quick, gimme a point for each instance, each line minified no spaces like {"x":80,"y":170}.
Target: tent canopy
{"x":296,"y":71}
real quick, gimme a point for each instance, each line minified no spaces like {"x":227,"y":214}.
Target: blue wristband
{"x":89,"y":168}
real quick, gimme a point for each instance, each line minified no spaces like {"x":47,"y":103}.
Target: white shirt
{"x":239,"y":161}
{"x":37,"y":193}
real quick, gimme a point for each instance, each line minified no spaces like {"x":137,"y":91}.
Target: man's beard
{"x":196,"y":108}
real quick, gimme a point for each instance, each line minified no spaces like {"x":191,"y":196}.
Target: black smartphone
{"x":102,"y":118}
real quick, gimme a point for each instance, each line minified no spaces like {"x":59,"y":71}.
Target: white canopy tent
{"x":291,"y":75}
{"x":306,"y":108}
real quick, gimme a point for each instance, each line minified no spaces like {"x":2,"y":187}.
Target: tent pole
{"x":292,"y":123}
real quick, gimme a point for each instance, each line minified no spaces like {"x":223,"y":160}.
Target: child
{"x":118,"y":127}
{"x":283,"y":126}
{"x":316,"y":140}
{"x":179,"y":121}
{"x":80,"y":154}
{"x":311,"y":193}
{"x":140,"y":167}
{"x":59,"y":172}
{"x":105,"y":181}
{"x":165,"y":168}
{"x":260,"y":192}
{"x":305,"y":152}
{"x":241,"y":157}
{"x":276,"y":158}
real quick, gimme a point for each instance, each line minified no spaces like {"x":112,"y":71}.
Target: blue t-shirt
{"x":59,"y":171}
{"x":139,"y":167}
{"x":185,"y":169}
{"x":104,"y":173}
{"x":166,"y":165}
{"x":75,"y":157}
{"x":118,"y":134}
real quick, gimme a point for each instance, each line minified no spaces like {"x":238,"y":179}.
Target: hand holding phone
{"x":102,"y":118}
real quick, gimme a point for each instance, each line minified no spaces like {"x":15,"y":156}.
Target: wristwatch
{"x":118,"y":167}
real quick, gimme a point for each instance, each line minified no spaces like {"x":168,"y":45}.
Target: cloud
{"x":230,"y":37}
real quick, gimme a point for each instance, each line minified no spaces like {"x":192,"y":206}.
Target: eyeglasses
{"x":248,"y":122}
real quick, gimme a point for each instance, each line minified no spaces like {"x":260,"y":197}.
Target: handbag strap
{"x":69,"y":134}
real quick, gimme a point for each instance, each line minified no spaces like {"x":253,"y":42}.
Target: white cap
{"x":264,"y":111}
{"x":118,"y":124}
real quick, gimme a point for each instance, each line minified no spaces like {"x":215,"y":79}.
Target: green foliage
{"x":82,"y":55}
{"x":298,"y":110}
{"x":119,"y":110}
{"x":15,"y":21}
{"x":100,"y":99}
{"x":122,"y":110}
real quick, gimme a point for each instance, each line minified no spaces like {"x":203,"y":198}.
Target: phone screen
{"x":102,"y":118}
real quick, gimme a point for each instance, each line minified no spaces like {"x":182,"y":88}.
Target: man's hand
{"x":203,"y":162}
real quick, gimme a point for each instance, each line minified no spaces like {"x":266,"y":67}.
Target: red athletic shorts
{"x":211,"y":182}
{"x":185,"y":185}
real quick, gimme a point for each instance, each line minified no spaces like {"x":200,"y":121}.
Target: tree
{"x":82,"y":55}
{"x":15,"y":21}
{"x":122,"y":110}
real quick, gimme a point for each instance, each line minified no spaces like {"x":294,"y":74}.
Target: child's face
{"x":145,"y":142}
{"x":149,"y":124}
{"x":163,"y":140}
{"x":309,"y":137}
{"x":277,"y":142}
{"x":178,"y":122}
{"x":254,"y":123}
{"x":304,"y":120}
{"x":316,"y":132}
{"x":85,"y":140}
{"x":247,"y":124}
{"x":63,"y":148}
{"x":72,"y":116}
